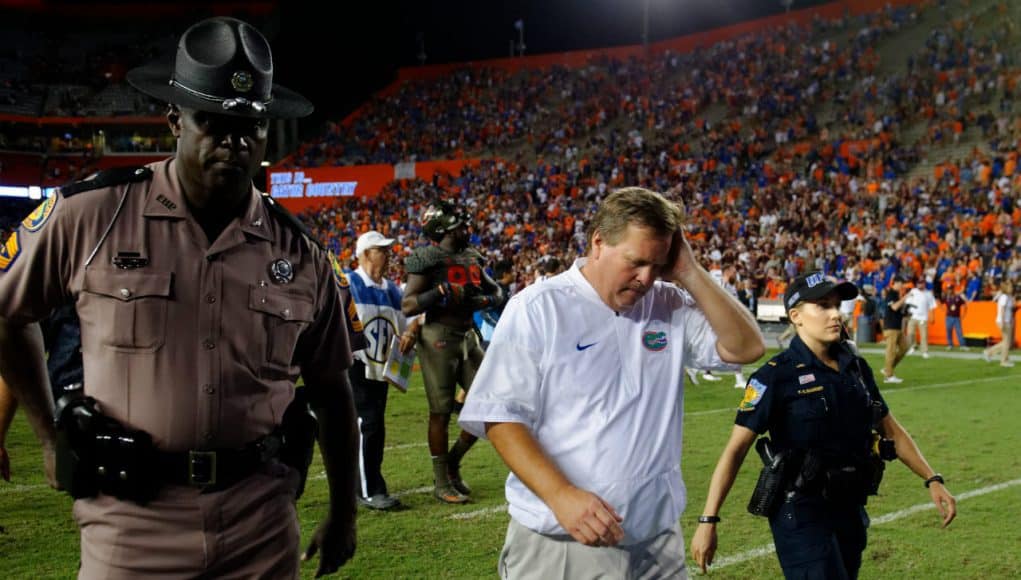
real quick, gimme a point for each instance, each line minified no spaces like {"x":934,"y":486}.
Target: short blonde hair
{"x":635,"y":206}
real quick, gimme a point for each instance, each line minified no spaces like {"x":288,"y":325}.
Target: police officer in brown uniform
{"x":201,"y":303}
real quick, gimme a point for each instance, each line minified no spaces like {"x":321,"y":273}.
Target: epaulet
{"x":779,"y":358}
{"x":108,"y":178}
{"x":281,"y":213}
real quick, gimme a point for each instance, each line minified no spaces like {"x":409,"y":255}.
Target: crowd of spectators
{"x":789,"y":147}
{"x":806,"y":169}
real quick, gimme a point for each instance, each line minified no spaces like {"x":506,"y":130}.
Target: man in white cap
{"x":378,"y":302}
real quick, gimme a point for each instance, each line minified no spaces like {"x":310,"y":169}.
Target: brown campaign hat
{"x":222,"y":65}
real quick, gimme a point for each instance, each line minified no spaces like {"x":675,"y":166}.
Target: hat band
{"x":228,"y":104}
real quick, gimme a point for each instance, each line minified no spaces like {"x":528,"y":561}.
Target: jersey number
{"x":458,"y":274}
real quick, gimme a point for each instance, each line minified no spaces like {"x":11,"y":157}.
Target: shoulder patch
{"x":107,"y":178}
{"x":9,"y":251}
{"x":288,"y":219}
{"x":752,"y":395}
{"x":338,"y":272}
{"x":39,"y":215}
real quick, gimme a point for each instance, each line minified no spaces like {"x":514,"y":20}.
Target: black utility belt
{"x":97,"y":454}
{"x":215,"y":469}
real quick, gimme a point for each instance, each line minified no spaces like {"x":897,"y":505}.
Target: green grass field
{"x":962,"y":412}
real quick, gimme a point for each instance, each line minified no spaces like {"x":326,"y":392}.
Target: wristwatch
{"x":936,"y":477}
{"x":708,"y":519}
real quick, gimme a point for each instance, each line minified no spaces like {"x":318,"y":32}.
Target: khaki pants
{"x":528,"y":555}
{"x":922,"y":327}
{"x":896,"y":347}
{"x":249,"y":530}
{"x":1002,"y":348}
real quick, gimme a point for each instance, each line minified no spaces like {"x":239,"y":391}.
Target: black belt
{"x":216,"y":469}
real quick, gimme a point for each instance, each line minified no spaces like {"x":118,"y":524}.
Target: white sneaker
{"x":893,"y":379}
{"x":985,"y":357}
{"x":692,"y":375}
{"x":1006,"y":363}
{"x":925,"y":355}
{"x":739,"y":385}
{"x":911,"y":351}
{"x":710,"y":378}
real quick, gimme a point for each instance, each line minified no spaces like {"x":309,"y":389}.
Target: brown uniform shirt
{"x":200,"y":346}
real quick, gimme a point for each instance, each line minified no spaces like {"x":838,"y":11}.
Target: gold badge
{"x":242,"y":81}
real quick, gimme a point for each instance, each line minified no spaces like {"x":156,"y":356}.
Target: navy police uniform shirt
{"x":805,"y":404}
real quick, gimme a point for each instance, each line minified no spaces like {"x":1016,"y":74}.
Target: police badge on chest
{"x":281,"y":271}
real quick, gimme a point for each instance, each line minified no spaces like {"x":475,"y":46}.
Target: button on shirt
{"x":601,"y":392}
{"x":159,"y":355}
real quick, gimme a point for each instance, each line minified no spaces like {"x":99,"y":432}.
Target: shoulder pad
{"x":288,"y":219}
{"x":108,"y":178}
{"x":423,"y":258}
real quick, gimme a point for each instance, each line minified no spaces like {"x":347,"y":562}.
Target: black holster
{"x":769,"y":487}
{"x":299,"y":430}
{"x":96,"y":454}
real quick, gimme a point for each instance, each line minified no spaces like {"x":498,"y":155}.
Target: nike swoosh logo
{"x":583,"y":347}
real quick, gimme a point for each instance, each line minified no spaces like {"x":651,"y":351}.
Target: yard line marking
{"x":405,"y":446}
{"x":20,"y":488}
{"x":423,"y":489}
{"x":478,"y":513}
{"x":876,"y":521}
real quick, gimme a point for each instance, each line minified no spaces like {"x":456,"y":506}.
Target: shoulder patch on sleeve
{"x":752,"y":395}
{"x":107,"y":178}
{"x":9,"y":251}
{"x":35,"y":220}
{"x":338,"y":271}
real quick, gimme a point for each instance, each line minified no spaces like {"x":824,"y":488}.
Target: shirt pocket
{"x":809,"y":415}
{"x":127,"y":309}
{"x":281,"y":318}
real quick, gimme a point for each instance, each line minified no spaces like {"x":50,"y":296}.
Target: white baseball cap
{"x":371,"y":239}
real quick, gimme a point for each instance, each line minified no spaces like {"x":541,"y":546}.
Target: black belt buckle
{"x":201,"y":468}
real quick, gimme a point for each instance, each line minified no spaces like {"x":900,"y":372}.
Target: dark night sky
{"x":340,"y":59}
{"x":337,"y":53}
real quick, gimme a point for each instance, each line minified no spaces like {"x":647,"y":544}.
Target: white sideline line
{"x":877,"y":521}
{"x":405,"y":446}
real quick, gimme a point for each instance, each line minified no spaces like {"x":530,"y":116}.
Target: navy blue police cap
{"x":813,"y":286}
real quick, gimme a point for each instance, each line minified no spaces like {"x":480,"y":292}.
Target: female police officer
{"x":820,"y":403}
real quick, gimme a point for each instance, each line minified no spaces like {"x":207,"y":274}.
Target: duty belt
{"x":216,"y":469}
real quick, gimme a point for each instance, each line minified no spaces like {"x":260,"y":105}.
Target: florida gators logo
{"x":39,"y":215}
{"x":654,"y":341}
{"x":9,"y":252}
